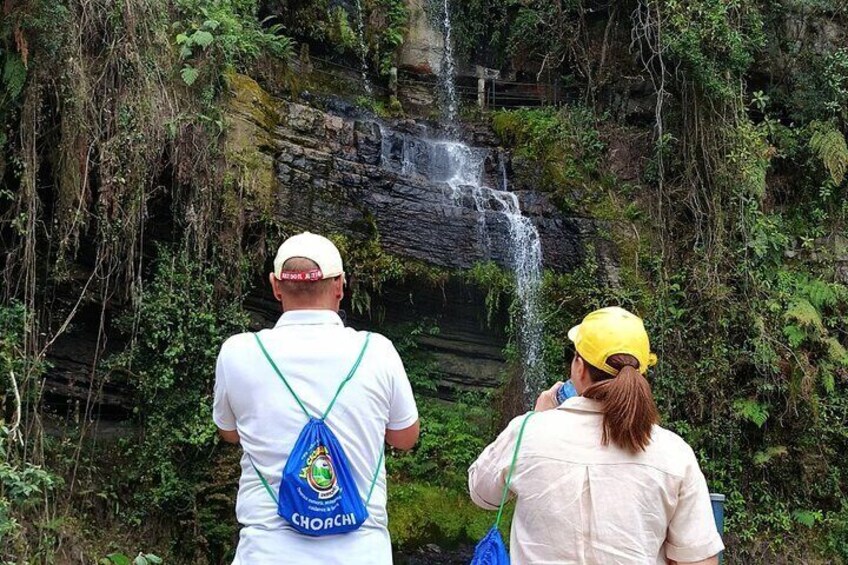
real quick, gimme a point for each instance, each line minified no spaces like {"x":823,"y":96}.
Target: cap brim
{"x":572,"y":333}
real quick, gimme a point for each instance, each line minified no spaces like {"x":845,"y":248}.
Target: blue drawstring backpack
{"x":491,"y":550}
{"x":318,"y":495}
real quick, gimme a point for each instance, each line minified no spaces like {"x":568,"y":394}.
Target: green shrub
{"x":555,"y":150}
{"x":453,"y":434}
{"x":421,"y":513}
{"x":183,"y":317}
{"x":220,"y":35}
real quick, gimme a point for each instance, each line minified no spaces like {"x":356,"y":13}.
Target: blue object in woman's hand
{"x":566,"y":391}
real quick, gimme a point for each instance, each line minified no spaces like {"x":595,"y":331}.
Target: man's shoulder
{"x":377,"y":339}
{"x":237,"y":342}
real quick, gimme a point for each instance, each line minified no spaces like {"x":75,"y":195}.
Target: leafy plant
{"x":391,"y":17}
{"x":225,"y":34}
{"x":828,"y":145}
{"x":123,"y":559}
{"x":340,"y":32}
{"x":421,"y":369}
{"x":497,"y":283}
{"x":174,"y":338}
{"x":14,"y":75}
{"x":422,"y":512}
{"x":452,"y":436}
{"x":555,"y":150}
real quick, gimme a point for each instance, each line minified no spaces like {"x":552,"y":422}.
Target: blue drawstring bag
{"x":491,"y":550}
{"x":317,"y":494}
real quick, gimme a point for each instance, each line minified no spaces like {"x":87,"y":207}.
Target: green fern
{"x":189,"y":75}
{"x":829,"y":146}
{"x":751,"y":410}
{"x":818,"y":292}
{"x":827,"y":378}
{"x":804,"y":314}
{"x":807,"y":518}
{"x":794,"y":334}
{"x":836,"y":351}
{"x":763,"y":457}
{"x":14,"y":75}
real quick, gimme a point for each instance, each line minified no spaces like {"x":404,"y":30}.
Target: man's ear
{"x":275,"y":288}
{"x":340,"y":283}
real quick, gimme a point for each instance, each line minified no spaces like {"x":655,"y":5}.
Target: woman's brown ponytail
{"x":629,"y":409}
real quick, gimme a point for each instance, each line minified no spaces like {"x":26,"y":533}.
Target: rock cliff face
{"x":339,"y":174}
{"x":343,"y":172}
{"x":423,"y":44}
{"x":337,"y":170}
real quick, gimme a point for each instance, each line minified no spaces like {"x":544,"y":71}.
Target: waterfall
{"x":447,"y":71}
{"x":526,"y":257}
{"x":363,"y":50}
{"x":460,"y":168}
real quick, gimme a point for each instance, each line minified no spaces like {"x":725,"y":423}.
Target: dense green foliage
{"x":710,"y":136}
{"x":175,"y":336}
{"x":369,"y":30}
{"x":727,"y":249}
{"x":224,"y":33}
{"x":562,"y":149}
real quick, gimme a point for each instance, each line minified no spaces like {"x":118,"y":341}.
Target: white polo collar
{"x":309,"y":318}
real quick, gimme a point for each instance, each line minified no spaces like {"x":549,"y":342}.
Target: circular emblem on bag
{"x":321,"y":476}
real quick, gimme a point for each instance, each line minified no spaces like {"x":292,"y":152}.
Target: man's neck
{"x":292,"y":306}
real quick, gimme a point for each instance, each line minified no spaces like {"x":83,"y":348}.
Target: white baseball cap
{"x":309,"y":246}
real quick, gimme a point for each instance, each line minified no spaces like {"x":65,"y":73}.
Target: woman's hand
{"x":547,"y":400}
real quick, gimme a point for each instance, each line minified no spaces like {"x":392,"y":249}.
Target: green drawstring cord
{"x":264,"y":482}
{"x":338,"y":391}
{"x":511,"y":469}
{"x":270,"y":491}
{"x":324,"y":417}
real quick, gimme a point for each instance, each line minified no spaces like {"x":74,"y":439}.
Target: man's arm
{"x":229,"y":436}
{"x":403,"y":424}
{"x":222,"y":412}
{"x":404,"y":439}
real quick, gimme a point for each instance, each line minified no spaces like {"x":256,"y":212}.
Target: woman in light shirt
{"x":596,"y":478}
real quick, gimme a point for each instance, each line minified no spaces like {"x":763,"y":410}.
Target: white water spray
{"x":363,"y":50}
{"x":447,"y":71}
{"x":461,"y":168}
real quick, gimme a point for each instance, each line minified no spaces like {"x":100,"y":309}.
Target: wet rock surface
{"x":345,"y":175}
{"x":467,"y":347}
{"x":349,"y":173}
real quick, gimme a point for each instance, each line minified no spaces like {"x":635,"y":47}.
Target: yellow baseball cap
{"x":609,"y":331}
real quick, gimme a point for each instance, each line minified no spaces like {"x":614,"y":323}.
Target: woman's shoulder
{"x":668,"y":439}
{"x":672,"y":448}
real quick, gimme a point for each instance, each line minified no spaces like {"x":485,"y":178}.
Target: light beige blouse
{"x":581,"y":502}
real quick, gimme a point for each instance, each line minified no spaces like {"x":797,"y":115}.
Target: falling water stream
{"x":462,"y":168}
{"x":459,"y":169}
{"x":363,"y":50}
{"x":447,"y":71}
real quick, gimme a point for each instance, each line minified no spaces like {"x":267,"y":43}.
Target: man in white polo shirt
{"x":315,"y":352}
